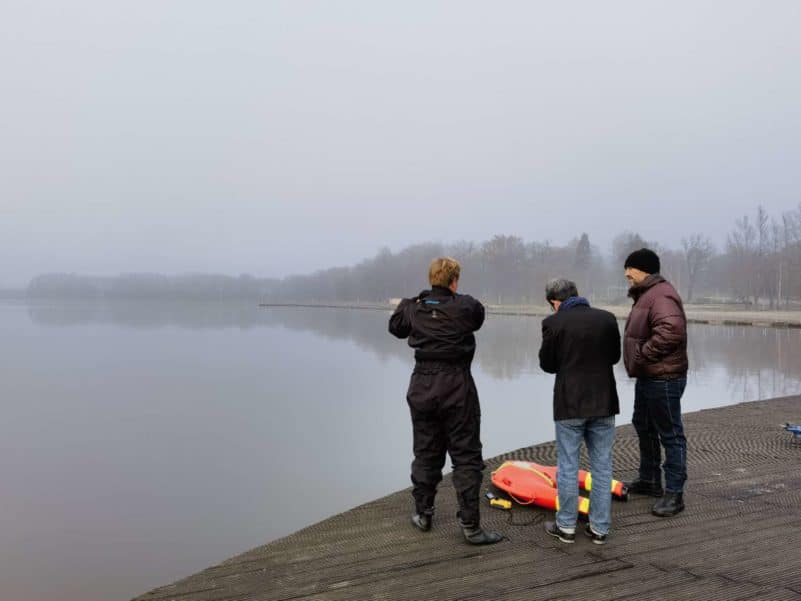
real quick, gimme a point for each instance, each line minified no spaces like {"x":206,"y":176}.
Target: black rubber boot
{"x":670,"y":504}
{"x":645,"y":487}
{"x":422,"y":521}
{"x":476,"y":535}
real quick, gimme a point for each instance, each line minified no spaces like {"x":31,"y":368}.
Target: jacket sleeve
{"x":400,"y":323}
{"x":614,"y":341}
{"x":668,"y":330}
{"x":549,"y":361}
{"x":476,"y":314}
{"x":472,"y":311}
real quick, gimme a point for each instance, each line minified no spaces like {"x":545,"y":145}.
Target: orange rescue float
{"x":530,"y":483}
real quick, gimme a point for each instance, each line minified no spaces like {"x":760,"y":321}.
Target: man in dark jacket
{"x":655,"y":352}
{"x":442,"y":396}
{"x":580,"y":345}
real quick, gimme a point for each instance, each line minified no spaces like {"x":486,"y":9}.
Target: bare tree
{"x":626,"y":243}
{"x":505,"y":257}
{"x":763,"y":263}
{"x":741,"y":248}
{"x":698,"y":250}
{"x":791,"y":252}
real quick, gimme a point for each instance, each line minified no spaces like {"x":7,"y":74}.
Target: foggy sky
{"x":283,"y":137}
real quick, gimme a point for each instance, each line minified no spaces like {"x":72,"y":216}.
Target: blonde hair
{"x":443,"y":271}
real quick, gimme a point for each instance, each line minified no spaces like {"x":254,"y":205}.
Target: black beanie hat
{"x":644,"y":259}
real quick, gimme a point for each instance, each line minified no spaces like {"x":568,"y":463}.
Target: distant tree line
{"x":151,"y":286}
{"x":760,"y":264}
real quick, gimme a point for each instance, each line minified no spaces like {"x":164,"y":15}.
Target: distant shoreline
{"x":701,"y":314}
{"x":717,"y":314}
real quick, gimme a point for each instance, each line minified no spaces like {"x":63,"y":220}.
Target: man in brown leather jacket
{"x":655,"y":352}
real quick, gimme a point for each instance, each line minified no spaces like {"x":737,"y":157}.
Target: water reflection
{"x":758,"y":361}
{"x":146,"y":441}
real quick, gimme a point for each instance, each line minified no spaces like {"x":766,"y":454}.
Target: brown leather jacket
{"x":655,"y":338}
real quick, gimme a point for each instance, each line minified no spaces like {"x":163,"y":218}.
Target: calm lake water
{"x":143,"y":442}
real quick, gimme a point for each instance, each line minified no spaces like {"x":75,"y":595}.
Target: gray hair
{"x":560,"y":289}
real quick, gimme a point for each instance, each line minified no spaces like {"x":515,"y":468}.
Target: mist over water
{"x":289,"y":151}
{"x":143,"y":442}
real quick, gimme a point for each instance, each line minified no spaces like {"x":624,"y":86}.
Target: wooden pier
{"x":738,"y":538}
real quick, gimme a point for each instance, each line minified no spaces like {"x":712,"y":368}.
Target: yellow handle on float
{"x":501,"y":503}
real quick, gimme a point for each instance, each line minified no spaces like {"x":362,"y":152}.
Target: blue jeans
{"x":599,"y":434}
{"x":657,"y":419}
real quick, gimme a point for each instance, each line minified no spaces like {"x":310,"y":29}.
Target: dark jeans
{"x":657,"y":419}
{"x":446,"y":418}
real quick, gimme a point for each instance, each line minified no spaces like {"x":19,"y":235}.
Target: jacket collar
{"x":440,"y":291}
{"x":574,"y":301}
{"x":638,"y":290}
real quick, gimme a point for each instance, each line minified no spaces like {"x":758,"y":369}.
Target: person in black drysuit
{"x":442,"y":396}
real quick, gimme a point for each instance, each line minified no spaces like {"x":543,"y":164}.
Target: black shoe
{"x":598,"y":539}
{"x":476,"y":535}
{"x":554,"y":530}
{"x":670,"y":504}
{"x":422,"y":521}
{"x":645,"y":487}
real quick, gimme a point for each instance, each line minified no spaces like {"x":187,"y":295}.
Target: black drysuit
{"x":442,"y":396}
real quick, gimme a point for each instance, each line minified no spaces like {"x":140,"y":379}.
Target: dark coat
{"x":655,"y":338}
{"x":580,"y":345}
{"x":439,"y":324}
